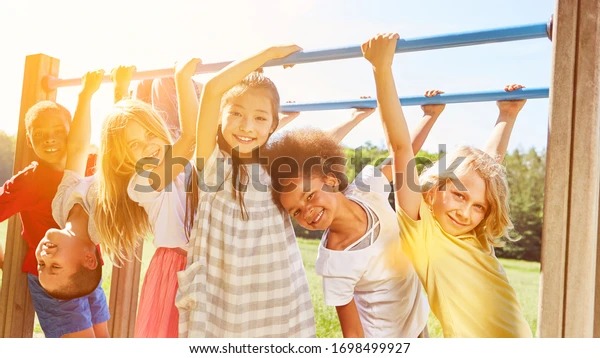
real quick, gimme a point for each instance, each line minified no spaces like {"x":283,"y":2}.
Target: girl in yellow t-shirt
{"x":451,"y":220}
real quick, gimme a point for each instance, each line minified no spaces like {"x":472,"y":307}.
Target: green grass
{"x":523,"y":275}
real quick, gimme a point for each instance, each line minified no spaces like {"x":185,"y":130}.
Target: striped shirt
{"x":244,"y":278}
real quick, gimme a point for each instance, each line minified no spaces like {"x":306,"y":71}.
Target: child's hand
{"x":433,"y":110}
{"x":185,"y":70}
{"x":122,"y":75}
{"x":362,"y":113}
{"x":511,"y":107}
{"x":91,"y":81}
{"x":380,"y":49}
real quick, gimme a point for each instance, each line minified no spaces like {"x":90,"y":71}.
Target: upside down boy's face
{"x":63,"y":255}
{"x":60,"y":255}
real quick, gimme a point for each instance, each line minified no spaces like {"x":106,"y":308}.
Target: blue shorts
{"x":60,"y":317}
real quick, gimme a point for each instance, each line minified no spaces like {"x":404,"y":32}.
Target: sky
{"x":89,"y":35}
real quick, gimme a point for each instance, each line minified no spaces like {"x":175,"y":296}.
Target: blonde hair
{"x":496,"y":223}
{"x":120,"y":221}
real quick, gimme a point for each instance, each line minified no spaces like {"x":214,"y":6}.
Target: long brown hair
{"x":305,"y":152}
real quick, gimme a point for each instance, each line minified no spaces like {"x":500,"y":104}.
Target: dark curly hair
{"x":304,"y":152}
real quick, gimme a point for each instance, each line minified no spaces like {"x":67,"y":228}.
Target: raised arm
{"x":380,"y":52}
{"x":508,"y":111}
{"x":78,"y":140}
{"x":431,"y":113}
{"x":184,"y":147}
{"x":121,"y":77}
{"x":358,"y":114}
{"x":286,"y":117}
{"x":210,"y":100}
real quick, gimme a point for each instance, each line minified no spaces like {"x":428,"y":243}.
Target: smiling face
{"x":143,"y":143}
{"x":312,"y":202}
{"x":247,"y":120}
{"x":47,"y":136}
{"x":60,"y":255}
{"x":459,"y":212}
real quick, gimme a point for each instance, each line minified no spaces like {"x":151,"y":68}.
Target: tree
{"x":7,"y":155}
{"x":525,"y":173}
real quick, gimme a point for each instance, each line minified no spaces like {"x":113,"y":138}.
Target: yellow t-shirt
{"x":466,"y":285}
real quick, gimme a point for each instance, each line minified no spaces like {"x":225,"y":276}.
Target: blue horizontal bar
{"x":525,"y":93}
{"x":527,"y":32}
{"x":505,"y":34}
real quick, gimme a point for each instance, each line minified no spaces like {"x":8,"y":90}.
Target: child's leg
{"x":60,"y":318}
{"x":101,"y":330}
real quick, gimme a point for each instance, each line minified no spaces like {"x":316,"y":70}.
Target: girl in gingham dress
{"x":244,"y":276}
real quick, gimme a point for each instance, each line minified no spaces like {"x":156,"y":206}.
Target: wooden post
{"x":16,"y":309}
{"x":570,"y":272}
{"x":123,"y":302}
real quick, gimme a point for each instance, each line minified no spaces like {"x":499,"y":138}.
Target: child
{"x":137,"y":159}
{"x":157,"y":315}
{"x":244,"y":276}
{"x":365,"y":274}
{"x":82,"y":311}
{"x":449,"y":230}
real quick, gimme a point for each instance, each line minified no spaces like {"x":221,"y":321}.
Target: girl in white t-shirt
{"x":138,"y":190}
{"x":367,"y":278}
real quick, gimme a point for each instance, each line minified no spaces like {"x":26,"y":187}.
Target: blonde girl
{"x":450,"y":229}
{"x":139,"y":191}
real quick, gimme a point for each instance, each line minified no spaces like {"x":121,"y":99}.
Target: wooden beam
{"x":16,"y":309}
{"x":558,"y":172}
{"x":585,"y":178}
{"x":125,"y":283}
{"x":570,"y":273}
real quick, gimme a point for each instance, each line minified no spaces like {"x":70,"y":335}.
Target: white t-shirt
{"x":75,"y":189}
{"x":165,"y":209}
{"x":387,"y":292}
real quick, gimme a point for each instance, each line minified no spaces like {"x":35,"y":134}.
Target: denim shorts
{"x":60,"y":317}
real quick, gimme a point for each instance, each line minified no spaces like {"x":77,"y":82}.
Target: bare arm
{"x":121,"y":77}
{"x":285,"y":118}
{"x":78,"y":140}
{"x":187,"y":110}
{"x":350,"y":320}
{"x":339,"y":132}
{"x":380,"y":52}
{"x":431,"y":113}
{"x":1,"y":257}
{"x":498,"y":141}
{"x":210,"y":100}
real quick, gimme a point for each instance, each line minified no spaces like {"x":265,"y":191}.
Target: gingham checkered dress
{"x":243,"y":278}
